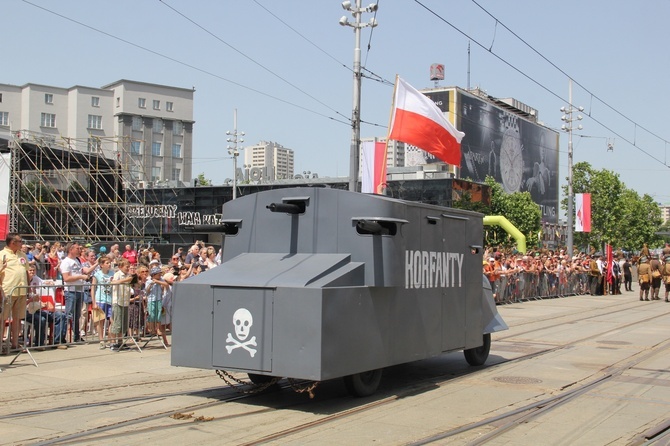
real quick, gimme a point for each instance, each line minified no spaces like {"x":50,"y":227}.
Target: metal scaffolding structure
{"x":65,"y":189}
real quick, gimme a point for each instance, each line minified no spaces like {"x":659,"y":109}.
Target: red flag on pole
{"x":418,"y":121}
{"x":610,"y":263}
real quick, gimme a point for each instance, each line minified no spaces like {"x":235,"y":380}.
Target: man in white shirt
{"x":74,"y":280}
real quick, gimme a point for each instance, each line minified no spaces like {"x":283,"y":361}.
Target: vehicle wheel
{"x":259,"y":379}
{"x":478,"y":355}
{"x":363,"y":384}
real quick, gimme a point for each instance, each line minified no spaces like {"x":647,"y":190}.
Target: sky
{"x":287,"y":68}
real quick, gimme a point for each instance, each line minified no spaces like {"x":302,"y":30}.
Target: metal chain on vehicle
{"x":255,"y":388}
{"x":299,"y":388}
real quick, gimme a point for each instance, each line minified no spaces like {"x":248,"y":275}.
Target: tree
{"x":202,"y":181}
{"x":618,"y":215}
{"x":519,"y":208}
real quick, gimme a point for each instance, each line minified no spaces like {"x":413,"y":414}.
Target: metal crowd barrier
{"x":525,"y":286}
{"x":49,"y":320}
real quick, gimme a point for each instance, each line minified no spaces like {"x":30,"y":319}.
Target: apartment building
{"x":274,"y":158}
{"x":147,"y":127}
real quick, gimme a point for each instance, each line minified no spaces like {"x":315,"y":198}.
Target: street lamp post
{"x":232,"y":150}
{"x":354,"y":156}
{"x":567,"y":127}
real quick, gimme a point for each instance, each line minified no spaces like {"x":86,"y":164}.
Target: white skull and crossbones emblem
{"x":243,"y":321}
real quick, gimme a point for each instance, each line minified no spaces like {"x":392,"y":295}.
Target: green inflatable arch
{"x":499,"y":220}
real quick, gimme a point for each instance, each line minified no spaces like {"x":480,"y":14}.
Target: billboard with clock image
{"x":521,"y":155}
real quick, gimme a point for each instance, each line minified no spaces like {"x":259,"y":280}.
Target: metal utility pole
{"x":354,"y":157}
{"x":567,"y":118}
{"x":232,"y":150}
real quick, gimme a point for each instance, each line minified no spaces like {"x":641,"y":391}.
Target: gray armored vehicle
{"x":319,"y":283}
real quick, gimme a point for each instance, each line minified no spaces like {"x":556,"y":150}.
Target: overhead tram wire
{"x":536,"y":82}
{"x":193,"y":67}
{"x":593,"y":95}
{"x":373,"y":76}
{"x":249,"y":58}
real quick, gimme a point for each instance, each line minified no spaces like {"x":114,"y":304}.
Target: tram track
{"x":131,"y":427}
{"x":545,"y":406}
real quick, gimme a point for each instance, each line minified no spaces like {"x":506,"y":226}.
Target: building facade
{"x":272,"y":158}
{"x":147,"y":127}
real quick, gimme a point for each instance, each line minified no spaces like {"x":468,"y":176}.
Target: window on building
{"x":0,"y":97}
{"x":177,"y":128}
{"x":142,"y":103}
{"x":95,"y":101}
{"x":118,"y":102}
{"x":48,"y":120}
{"x":157,"y":105}
{"x":169,"y":106}
{"x":158,"y":125}
{"x":94,"y":122}
{"x":176,"y":174}
{"x":48,"y":98}
{"x":135,"y":148}
{"x":4,"y":118}
{"x":176,"y":150}
{"x":94,"y":145}
{"x":155,"y":174}
{"x":137,"y":123}
{"x":156,"y":149}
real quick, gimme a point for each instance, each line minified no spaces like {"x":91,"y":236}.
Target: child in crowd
{"x":101,"y":296}
{"x":120,"y":302}
{"x":155,"y":287}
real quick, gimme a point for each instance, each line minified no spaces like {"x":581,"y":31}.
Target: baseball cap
{"x":155,"y":270}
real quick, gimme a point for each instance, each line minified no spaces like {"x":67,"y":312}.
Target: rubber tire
{"x":259,"y":379}
{"x":479,"y":355}
{"x":363,"y":384}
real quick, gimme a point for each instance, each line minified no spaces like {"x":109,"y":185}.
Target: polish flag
{"x":416,"y":120}
{"x":583,"y":212}
{"x":373,"y":167}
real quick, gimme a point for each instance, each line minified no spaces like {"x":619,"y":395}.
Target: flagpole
{"x":388,"y":133}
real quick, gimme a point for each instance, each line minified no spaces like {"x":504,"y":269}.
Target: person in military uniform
{"x":644,"y":277}
{"x":656,"y":276}
{"x":594,"y":276}
{"x":645,"y":251}
{"x":666,"y":276}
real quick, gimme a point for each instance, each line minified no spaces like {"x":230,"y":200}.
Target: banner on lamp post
{"x":583,"y":212}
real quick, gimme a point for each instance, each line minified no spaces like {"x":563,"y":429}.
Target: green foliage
{"x":465,"y":202}
{"x":619,"y":216}
{"x":519,"y":208}
{"x":202,"y":181}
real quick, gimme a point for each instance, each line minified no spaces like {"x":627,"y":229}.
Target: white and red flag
{"x":416,"y":120}
{"x":4,"y":194}
{"x":583,"y":212}
{"x":373,"y":167}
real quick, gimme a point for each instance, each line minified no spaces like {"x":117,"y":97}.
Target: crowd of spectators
{"x":553,"y":272}
{"x":110,"y":294}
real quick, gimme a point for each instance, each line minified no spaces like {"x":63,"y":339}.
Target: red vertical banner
{"x":610,"y":263}
{"x":583,"y":212}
